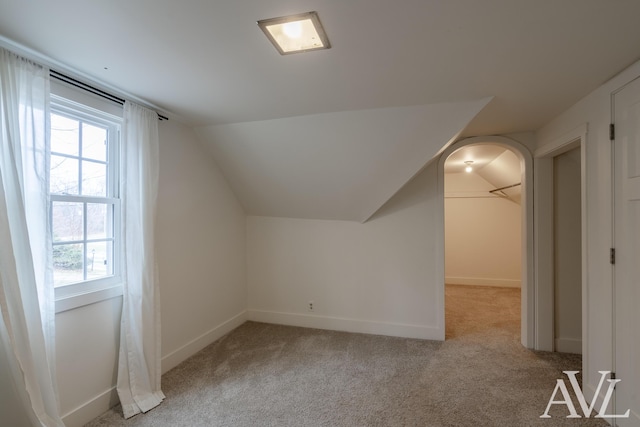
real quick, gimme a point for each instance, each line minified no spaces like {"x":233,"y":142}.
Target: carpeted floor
{"x":270,"y":375}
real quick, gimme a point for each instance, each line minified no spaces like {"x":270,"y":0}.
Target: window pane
{"x":94,"y":142}
{"x":82,"y":182}
{"x":64,"y":135}
{"x":67,"y":221}
{"x":99,"y":260}
{"x":67,"y":264}
{"x":99,"y":221}
{"x":94,"y":179}
{"x":64,"y":175}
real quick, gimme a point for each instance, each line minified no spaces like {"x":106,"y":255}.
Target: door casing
{"x":528,"y":295}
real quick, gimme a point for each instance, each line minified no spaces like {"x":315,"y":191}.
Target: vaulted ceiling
{"x":334,"y":133}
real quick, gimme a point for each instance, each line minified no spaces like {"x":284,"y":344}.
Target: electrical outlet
{"x":310,"y":306}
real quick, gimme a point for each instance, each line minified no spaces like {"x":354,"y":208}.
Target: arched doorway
{"x":527,"y":262}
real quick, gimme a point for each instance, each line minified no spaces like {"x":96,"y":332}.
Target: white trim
{"x":68,"y":105}
{"x":562,"y":144}
{"x":543,"y":211}
{"x":69,"y":302}
{"x":106,"y":400}
{"x":568,"y":345}
{"x":181,"y":354}
{"x":528,"y":286}
{"x":347,"y":325}
{"x":83,"y":199}
{"x":481,"y":281}
{"x":89,"y":291}
{"x":86,"y":412}
{"x":545,"y":275}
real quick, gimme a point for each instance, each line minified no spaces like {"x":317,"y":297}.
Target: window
{"x":84,"y":193}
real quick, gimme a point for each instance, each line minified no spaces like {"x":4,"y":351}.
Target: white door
{"x":627,"y":244}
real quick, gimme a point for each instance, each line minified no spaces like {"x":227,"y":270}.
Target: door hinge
{"x":612,"y":255}
{"x":612,"y":132}
{"x":613,"y":375}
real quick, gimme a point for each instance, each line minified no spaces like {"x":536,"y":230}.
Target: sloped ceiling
{"x":503,"y":172}
{"x":496,"y":164}
{"x":207,"y":64}
{"x":342,"y":165}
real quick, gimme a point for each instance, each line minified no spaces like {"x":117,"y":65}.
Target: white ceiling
{"x":208,"y":63}
{"x":496,"y":164}
{"x":342,"y":165}
{"x":480,"y":154}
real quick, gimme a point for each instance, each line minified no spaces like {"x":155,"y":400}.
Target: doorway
{"x":560,"y":301}
{"x":567,"y":255}
{"x":526,"y":279}
{"x":483,"y":215}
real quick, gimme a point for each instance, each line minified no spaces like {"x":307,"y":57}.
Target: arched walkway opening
{"x":505,"y":154}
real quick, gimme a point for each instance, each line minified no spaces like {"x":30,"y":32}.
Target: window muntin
{"x":84,"y":195}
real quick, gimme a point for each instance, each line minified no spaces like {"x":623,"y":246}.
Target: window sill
{"x":69,"y":302}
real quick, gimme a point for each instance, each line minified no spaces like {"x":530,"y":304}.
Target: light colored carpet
{"x":270,"y":375}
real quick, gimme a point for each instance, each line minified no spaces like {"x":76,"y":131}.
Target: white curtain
{"x":139,"y":367}
{"x":26,"y":289}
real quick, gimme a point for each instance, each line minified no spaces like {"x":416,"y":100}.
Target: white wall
{"x":594,"y":110}
{"x":200,"y":246}
{"x":200,"y":238}
{"x":567,"y":252}
{"x":86,"y":354}
{"x":378,"y":277}
{"x":482,"y":234}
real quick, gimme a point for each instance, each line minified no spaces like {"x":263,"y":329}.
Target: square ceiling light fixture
{"x":295,"y":33}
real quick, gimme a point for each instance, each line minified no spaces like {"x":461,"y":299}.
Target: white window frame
{"x":94,"y":290}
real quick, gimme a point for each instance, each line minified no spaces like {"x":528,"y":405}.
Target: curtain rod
{"x":94,"y":90}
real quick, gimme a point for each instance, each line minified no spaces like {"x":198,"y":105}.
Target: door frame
{"x":544,"y":237}
{"x":528,"y":285}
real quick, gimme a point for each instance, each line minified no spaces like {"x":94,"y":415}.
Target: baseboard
{"x":109,"y":398}
{"x":347,"y":325}
{"x":568,"y":345}
{"x":178,"y":356}
{"x":93,"y":408}
{"x":479,"y":281}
